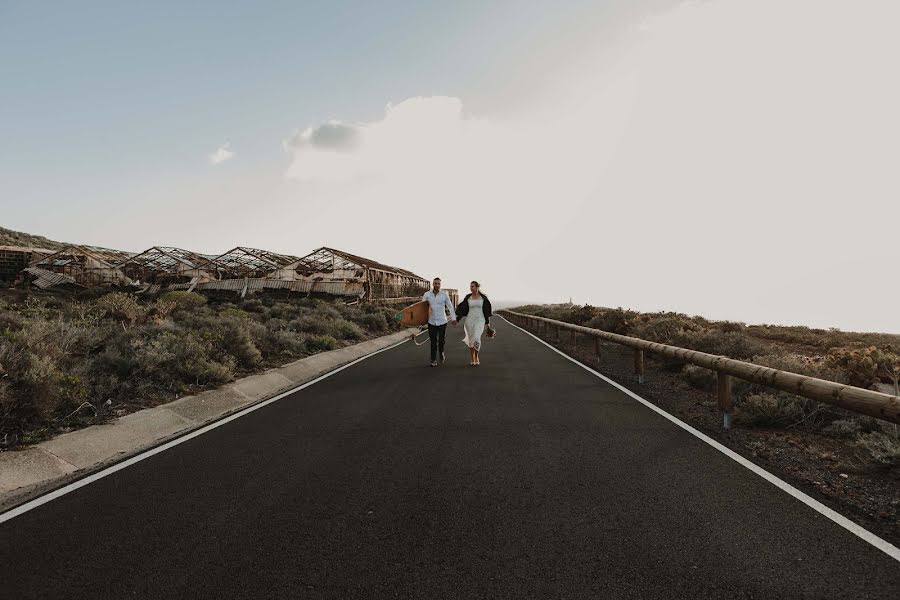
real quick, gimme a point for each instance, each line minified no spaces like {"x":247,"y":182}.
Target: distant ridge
{"x":8,"y":237}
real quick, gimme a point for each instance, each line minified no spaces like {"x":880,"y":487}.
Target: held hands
{"x":453,"y":321}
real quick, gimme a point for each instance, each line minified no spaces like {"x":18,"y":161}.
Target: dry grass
{"x":67,"y":363}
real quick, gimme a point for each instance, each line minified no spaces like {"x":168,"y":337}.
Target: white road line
{"x":32,"y":504}
{"x":841,"y":520}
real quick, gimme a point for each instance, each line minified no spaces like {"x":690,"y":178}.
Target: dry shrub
{"x":372,"y":321}
{"x":311,"y":325}
{"x":802,"y":365}
{"x":120,"y":306}
{"x":882,"y":448}
{"x":320,"y":343}
{"x":769,"y":410}
{"x":735,"y":345}
{"x":613,"y":320}
{"x":666,"y":329}
{"x":187,"y":301}
{"x":279,"y":343}
{"x":346,"y":330}
{"x":700,"y":378}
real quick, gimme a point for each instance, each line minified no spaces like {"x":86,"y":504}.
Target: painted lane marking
{"x":836,"y":517}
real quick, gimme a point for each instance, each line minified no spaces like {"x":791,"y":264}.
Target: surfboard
{"x":415,"y":315}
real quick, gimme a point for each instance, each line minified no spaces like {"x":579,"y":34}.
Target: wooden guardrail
{"x":867,"y":402}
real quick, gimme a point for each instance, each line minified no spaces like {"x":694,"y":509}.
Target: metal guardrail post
{"x":724,"y":385}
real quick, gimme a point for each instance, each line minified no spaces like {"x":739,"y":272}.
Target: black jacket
{"x":463,"y":308}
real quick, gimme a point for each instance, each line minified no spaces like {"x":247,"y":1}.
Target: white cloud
{"x":728,"y":158}
{"x":223,"y":153}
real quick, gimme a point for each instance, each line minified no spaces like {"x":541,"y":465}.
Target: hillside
{"x":8,"y":237}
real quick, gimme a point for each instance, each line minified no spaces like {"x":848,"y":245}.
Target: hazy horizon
{"x":734,"y":159}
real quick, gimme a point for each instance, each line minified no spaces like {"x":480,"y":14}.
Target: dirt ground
{"x":828,"y":469}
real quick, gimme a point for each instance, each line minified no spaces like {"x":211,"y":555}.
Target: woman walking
{"x":476,"y":308}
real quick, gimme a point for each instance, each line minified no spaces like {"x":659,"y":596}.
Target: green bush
{"x":235,"y":312}
{"x":284,"y":310}
{"x":253,"y":305}
{"x":280,"y":343}
{"x":180,"y":359}
{"x":320,"y":343}
{"x":233,"y":339}
{"x":186,"y":301}
{"x":328,"y":312}
{"x":859,"y":364}
{"x":346,"y":330}
{"x":120,"y":306}
{"x":372,"y":321}
{"x":311,"y":325}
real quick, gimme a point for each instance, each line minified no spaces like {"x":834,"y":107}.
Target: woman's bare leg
{"x":471,"y":355}
{"x":477,"y":357}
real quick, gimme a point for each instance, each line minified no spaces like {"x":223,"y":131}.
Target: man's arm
{"x":450,"y":306}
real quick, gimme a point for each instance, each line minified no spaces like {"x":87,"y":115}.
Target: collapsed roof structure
{"x":242,"y":270}
{"x":253,"y":262}
{"x":87,"y":266}
{"x":165,"y":265}
{"x":379,"y":281}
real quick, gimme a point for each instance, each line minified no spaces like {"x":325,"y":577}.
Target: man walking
{"x":438,"y":301}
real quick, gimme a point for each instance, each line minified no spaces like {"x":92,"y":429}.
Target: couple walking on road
{"x":475,"y":308}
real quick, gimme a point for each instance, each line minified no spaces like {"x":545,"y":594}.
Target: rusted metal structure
{"x":380,"y":282}
{"x":241,"y":270}
{"x":44,"y":279}
{"x":242,"y":262}
{"x":867,"y":402}
{"x":244,"y":286}
{"x":164,"y":265}
{"x":13,"y":259}
{"x":88,"y":266}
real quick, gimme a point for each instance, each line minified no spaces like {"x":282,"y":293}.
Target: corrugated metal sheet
{"x":334,"y":288}
{"x":46,"y":279}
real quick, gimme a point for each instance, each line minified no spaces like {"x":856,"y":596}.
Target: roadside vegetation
{"x":867,"y":360}
{"x":70,"y":362}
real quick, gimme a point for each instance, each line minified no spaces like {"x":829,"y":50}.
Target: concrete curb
{"x":55,"y":462}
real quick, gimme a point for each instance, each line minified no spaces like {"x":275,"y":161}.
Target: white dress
{"x":474,"y":323}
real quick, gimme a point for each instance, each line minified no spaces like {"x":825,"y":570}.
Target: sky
{"x":737,"y":159}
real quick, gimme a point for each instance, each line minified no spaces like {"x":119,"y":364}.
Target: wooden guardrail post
{"x":574,"y":341}
{"x":724,"y":385}
{"x":597,"y":348}
{"x":639,"y":365}
{"x":868,"y":402}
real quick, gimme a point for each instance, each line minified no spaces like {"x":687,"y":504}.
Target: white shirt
{"x":436,"y":313}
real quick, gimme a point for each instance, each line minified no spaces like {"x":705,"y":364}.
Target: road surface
{"x":527,"y":477}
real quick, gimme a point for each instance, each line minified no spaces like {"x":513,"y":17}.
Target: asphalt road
{"x":526,"y":477}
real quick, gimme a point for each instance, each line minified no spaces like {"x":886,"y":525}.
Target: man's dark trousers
{"x":437,"y":333}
